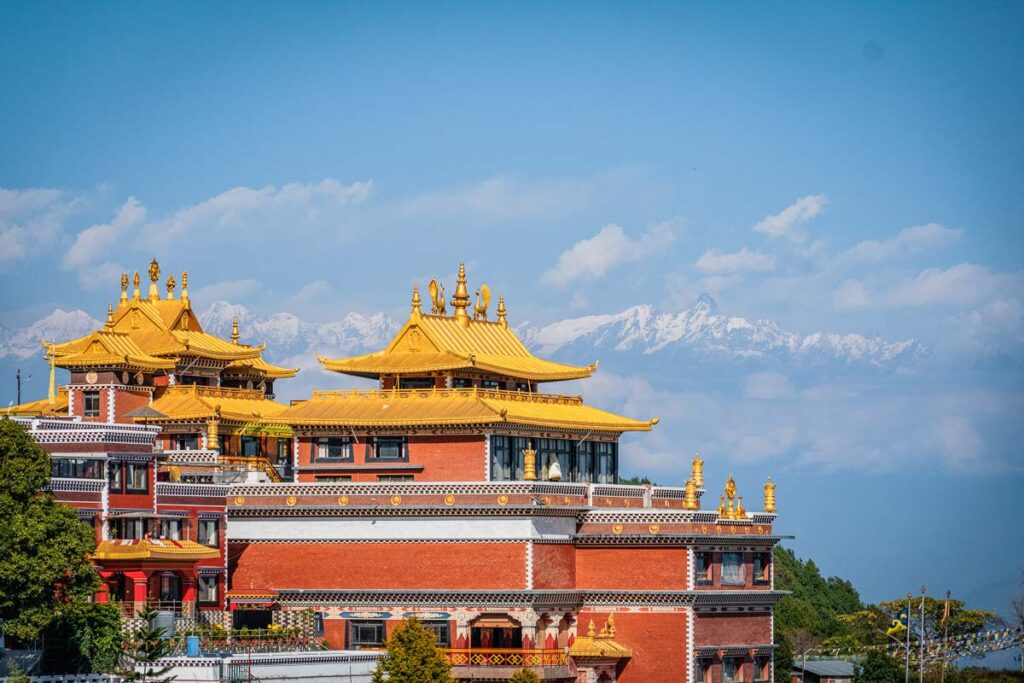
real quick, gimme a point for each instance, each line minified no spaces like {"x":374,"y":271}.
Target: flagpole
{"x":945,"y":636}
{"x":906,"y":669}
{"x":921,"y":663}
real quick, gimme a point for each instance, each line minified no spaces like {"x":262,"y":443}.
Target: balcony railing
{"x":183,"y":609}
{"x":506,"y":657}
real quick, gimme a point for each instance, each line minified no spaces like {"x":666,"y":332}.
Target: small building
{"x":823,"y":671}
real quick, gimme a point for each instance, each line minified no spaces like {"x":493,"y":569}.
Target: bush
{"x":524,"y":676}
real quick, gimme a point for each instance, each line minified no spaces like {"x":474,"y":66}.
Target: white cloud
{"x":742,"y":261}
{"x":908,"y":241}
{"x":965,"y":284}
{"x":610,"y":248}
{"x":229,"y":290}
{"x":97,"y":241}
{"x":32,"y":220}
{"x":768,"y":385}
{"x":783,"y":224}
{"x":852,"y":294}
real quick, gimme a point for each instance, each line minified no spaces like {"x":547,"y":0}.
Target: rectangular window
{"x":607,"y":462}
{"x":394,"y":477}
{"x":702,"y":568}
{"x":208,"y":532}
{"x":76,"y":468}
{"x":416,"y":383}
{"x":90,"y":404}
{"x":704,"y":670}
{"x":318,"y":624}
{"x":461,"y":383}
{"x":207,"y":588}
{"x":762,"y":668}
{"x":762,"y":568}
{"x":284,"y":451}
{"x":388,"y":448}
{"x":502,"y":461}
{"x":732,"y":670}
{"x":336,"y":479}
{"x":364,"y":634}
{"x":171,"y":529}
{"x":170,"y":588}
{"x":186,"y":442}
{"x":333,"y":448}
{"x":490,"y":384}
{"x":115,"y":476}
{"x":550,"y":451}
{"x":442,"y":632}
{"x":137,"y":477}
{"x":523,"y":386}
{"x":732,"y":569}
{"x":127,"y":528}
{"x":250,"y":447}
{"x":584,"y":462}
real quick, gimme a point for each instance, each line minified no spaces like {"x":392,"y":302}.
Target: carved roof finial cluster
{"x":184,"y":286}
{"x":137,"y":282}
{"x":416,"y":302}
{"x":697,"y":471}
{"x":502,"y":312}
{"x":154,"y":275}
{"x":171,"y":284}
{"x":769,"y":496}
{"x":110,"y":317}
{"x":734,"y":509}
{"x":234,"y":329}
{"x":124,"y":288}
{"x":461,"y":300}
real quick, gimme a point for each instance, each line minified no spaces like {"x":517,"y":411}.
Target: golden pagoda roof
{"x":423,"y":407}
{"x":191,"y":402}
{"x":260,"y":367}
{"x":42,"y":407}
{"x":154,"y":333}
{"x":439,"y":343}
{"x":153,"y":549}
{"x":600,"y":644}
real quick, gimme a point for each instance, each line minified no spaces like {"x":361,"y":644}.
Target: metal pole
{"x":906,"y":668}
{"x":945,"y":636}
{"x":921,"y":663}
{"x":18,"y":375}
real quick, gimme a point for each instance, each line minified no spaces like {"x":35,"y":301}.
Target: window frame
{"x":165,"y":527}
{"x":439,"y":627}
{"x":87,"y":397}
{"x":741,"y":579}
{"x":324,"y":443}
{"x":762,"y":568}
{"x":373,"y":449}
{"x":115,"y":476}
{"x":246,"y":440}
{"x":129,"y":469}
{"x":216,"y":531}
{"x":378,"y":624}
{"x":211,"y":580}
{"x":707,"y":558}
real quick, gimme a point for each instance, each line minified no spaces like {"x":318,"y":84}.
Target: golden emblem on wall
{"x":239,"y":500}
{"x":503,"y":499}
{"x":342,"y":500}
{"x":449,"y":499}
{"x":616,"y":529}
{"x":91,"y":377}
{"x":654,"y":528}
{"x":396,"y":500}
{"x":291,"y":500}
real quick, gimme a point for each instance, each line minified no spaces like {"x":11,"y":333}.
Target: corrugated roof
{"x":197,"y":402}
{"x":153,"y":549}
{"x":827,"y":668}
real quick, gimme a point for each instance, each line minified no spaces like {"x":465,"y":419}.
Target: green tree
{"x":143,"y":651}
{"x":962,"y":621}
{"x":44,"y":548}
{"x":878,"y":667}
{"x":413,"y":657}
{"x":524,"y":676}
{"x":84,"y":638}
{"x":783,"y":664}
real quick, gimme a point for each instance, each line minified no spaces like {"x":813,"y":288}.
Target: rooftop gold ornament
{"x":501,"y":311}
{"x":154,"y":275}
{"x":529,"y":462}
{"x":171,"y":284}
{"x":136,"y":281}
{"x":734,"y":508}
{"x":124,"y":288}
{"x":416,"y":299}
{"x":697,"y":471}
{"x":437,"y":303}
{"x":769,"y":496}
{"x":234,"y":329}
{"x":461,"y":300}
{"x":483,"y":300}
{"x":184,"y":286}
{"x":110,"y":317}
{"x":690,"y":501}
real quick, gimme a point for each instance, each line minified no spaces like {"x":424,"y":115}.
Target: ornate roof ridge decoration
{"x":468,"y":406}
{"x":196,"y":402}
{"x":600,"y":645}
{"x":437,"y":342}
{"x":153,"y":549}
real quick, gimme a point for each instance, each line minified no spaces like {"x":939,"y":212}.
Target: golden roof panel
{"x":419,"y":408}
{"x":153,"y":549}
{"x":105,"y":348}
{"x":42,"y":407}
{"x":258,"y":366}
{"x":197,"y":402}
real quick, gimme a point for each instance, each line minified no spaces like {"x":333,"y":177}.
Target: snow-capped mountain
{"x":286,"y":336}
{"x":703,"y":330}
{"x":60,"y":325}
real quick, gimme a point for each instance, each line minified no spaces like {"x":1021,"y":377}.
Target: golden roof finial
{"x":437,"y":305}
{"x":154,"y":275}
{"x":501,"y":311}
{"x":697,"y":471}
{"x":184,"y":286}
{"x":461,"y":300}
{"x":590,"y":629}
{"x":171,"y":284}
{"x":769,"y":496}
{"x":741,"y":512}
{"x":691,"y":502}
{"x":721,"y":506}
{"x":137,"y":281}
{"x":234,"y":329}
{"x":110,"y":317}
{"x":124,"y":288}
{"x":483,"y":300}
{"x":730,"y":488}
{"x":611,"y":625}
{"x":416,"y":299}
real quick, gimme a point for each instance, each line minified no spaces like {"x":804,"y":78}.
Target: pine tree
{"x":144,"y":649}
{"x":413,"y":657}
{"x":878,"y":667}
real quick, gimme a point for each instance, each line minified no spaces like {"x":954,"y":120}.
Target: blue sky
{"x":851,"y":168}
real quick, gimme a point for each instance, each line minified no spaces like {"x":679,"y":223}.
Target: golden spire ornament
{"x":501,"y":311}
{"x":124,"y":288}
{"x":171,"y":284}
{"x":697,"y":471}
{"x":721,"y":506}
{"x":461,"y":300}
{"x":137,"y":282}
{"x":769,"y":496}
{"x":154,"y":275}
{"x":416,"y":300}
{"x":690,"y":501}
{"x":110,"y":317}
{"x":234,"y":329}
{"x":184,"y":286}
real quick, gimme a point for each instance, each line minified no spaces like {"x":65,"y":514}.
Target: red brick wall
{"x":449,"y":458}
{"x":554,"y":566}
{"x":624,"y":568}
{"x":429,"y":566}
{"x":658,"y":642}
{"x":125,"y":402}
{"x":732,"y":629}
